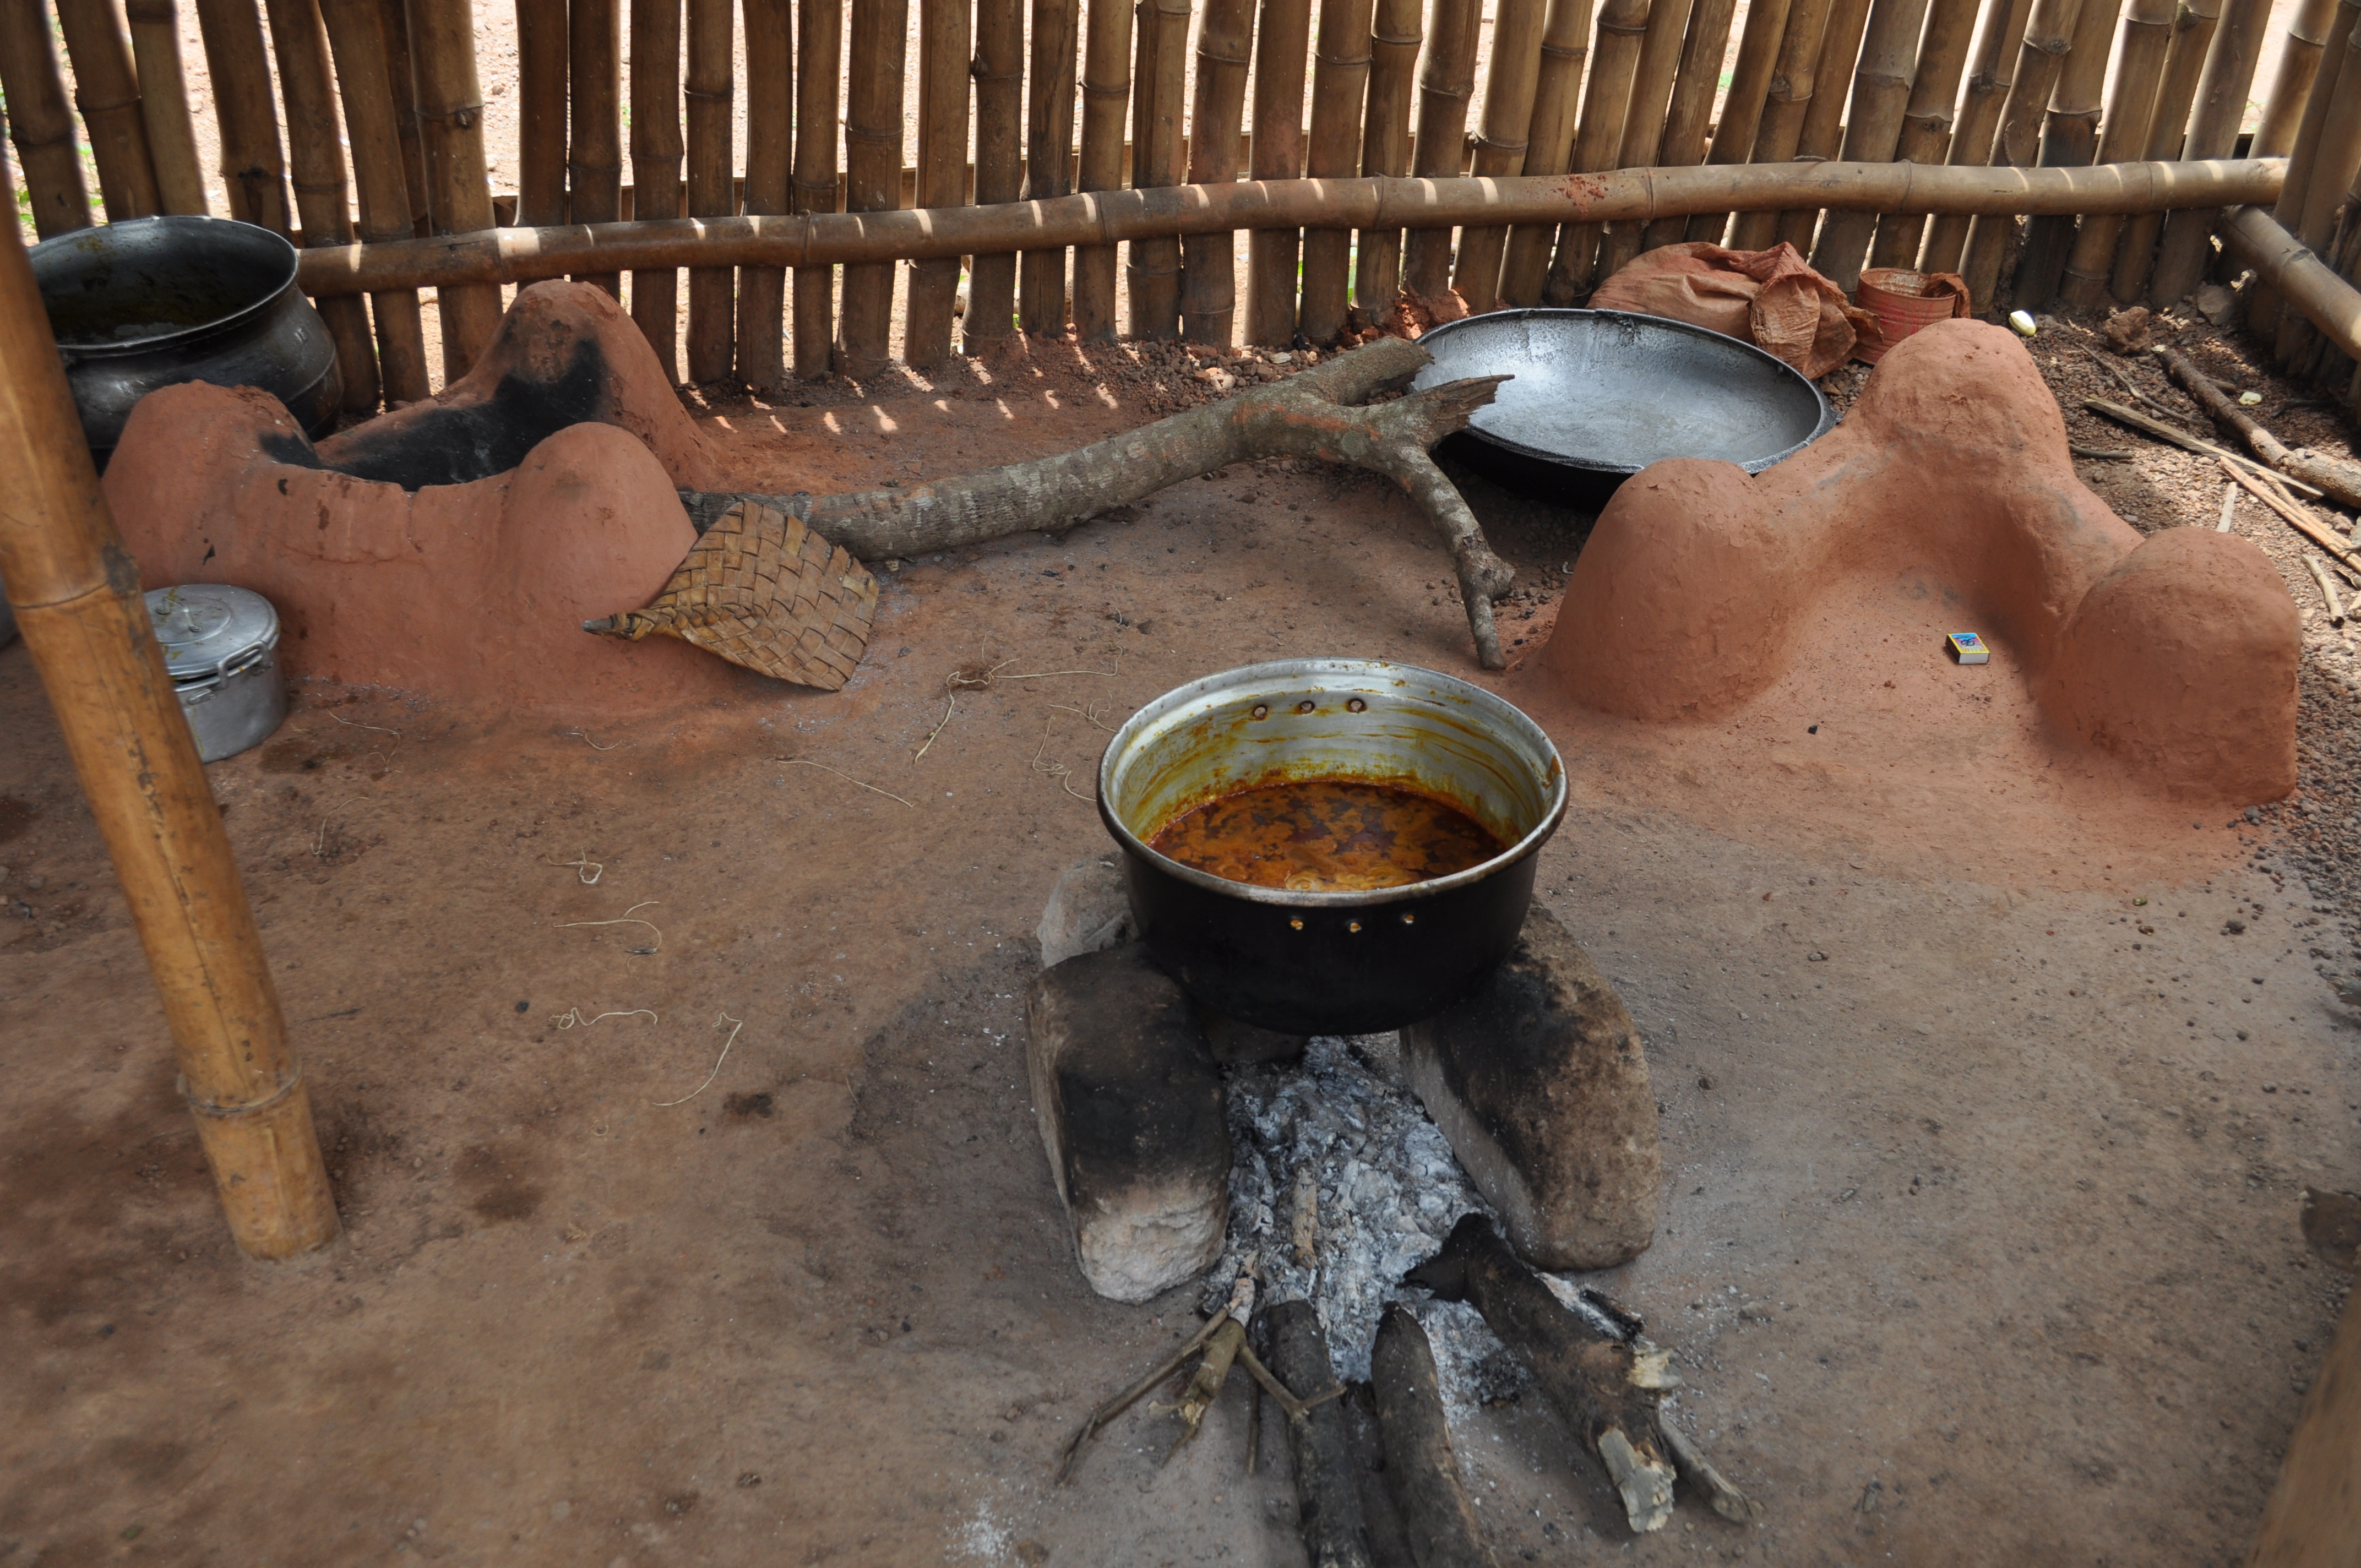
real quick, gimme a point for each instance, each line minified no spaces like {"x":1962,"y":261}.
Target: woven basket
{"x":1904,"y":302}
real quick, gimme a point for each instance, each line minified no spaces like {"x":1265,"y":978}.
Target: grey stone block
{"x":1089,"y":910}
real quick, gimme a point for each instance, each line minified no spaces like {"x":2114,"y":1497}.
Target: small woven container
{"x":1905,"y":301}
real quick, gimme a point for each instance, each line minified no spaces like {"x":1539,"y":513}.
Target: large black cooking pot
{"x":1329,"y":963}
{"x":153,"y":301}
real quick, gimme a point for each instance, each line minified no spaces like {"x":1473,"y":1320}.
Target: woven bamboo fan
{"x":762,"y":590}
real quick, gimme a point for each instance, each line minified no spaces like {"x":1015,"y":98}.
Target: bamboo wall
{"x":337,"y":120}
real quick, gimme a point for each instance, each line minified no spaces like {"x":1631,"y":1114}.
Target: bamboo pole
{"x":357,"y":39}
{"x":402,"y":65}
{"x":1823,"y":130}
{"x":1340,"y":79}
{"x":1154,"y":265}
{"x":1549,"y":140}
{"x":2187,"y":245}
{"x":2015,"y":141}
{"x":164,"y":106}
{"x":1643,"y":121}
{"x":498,"y":257}
{"x":658,"y":149}
{"x":1282,"y":40}
{"x":769,"y":179}
{"x":820,"y":71}
{"x":1881,"y":91}
{"x":76,"y":598}
{"x":1395,"y":35}
{"x":1446,"y":80}
{"x":542,"y":44}
{"x":300,"y":38}
{"x":1926,"y":119}
{"x":450,"y":140}
{"x":2307,"y":284}
{"x":2184,"y":62}
{"x":2300,"y":54}
{"x":999,"y":163}
{"x":39,"y":122}
{"x":1106,"y":98}
{"x":1742,"y":108}
{"x":1208,"y":264}
{"x":2070,"y":139}
{"x":594,"y":154}
{"x":2147,"y":35}
{"x":1988,"y":84}
{"x":2262,"y":313}
{"x":872,"y":172}
{"x":712,"y":191}
{"x":251,"y":165}
{"x":1690,"y":117}
{"x":1049,"y":155}
{"x":1790,"y":99}
{"x":106,"y":91}
{"x":2335,"y":162}
{"x":1503,"y":136}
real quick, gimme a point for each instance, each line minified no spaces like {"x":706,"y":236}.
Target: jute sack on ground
{"x":1771,"y":298}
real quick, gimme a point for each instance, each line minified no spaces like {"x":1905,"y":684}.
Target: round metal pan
{"x":1600,"y":395}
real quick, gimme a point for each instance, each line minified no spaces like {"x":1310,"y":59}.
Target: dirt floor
{"x":1986,"y":1105}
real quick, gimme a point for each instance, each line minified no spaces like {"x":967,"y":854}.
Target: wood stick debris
{"x":2162,"y":432}
{"x":2327,"y":589}
{"x":2321,"y":476}
{"x":2339,"y":550}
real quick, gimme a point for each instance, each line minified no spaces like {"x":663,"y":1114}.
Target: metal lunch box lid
{"x":208,"y":629}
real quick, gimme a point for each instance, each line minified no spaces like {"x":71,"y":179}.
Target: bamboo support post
{"x":401,"y":66}
{"x":451,"y":139}
{"x":2070,"y":139}
{"x":1209,"y":264}
{"x":76,"y":592}
{"x":1395,"y":35}
{"x":872,"y":172}
{"x":1823,"y":132}
{"x":1340,"y":79}
{"x":658,"y":149}
{"x":1048,"y":156}
{"x":356,"y":40}
{"x":300,"y":38}
{"x":1925,"y":135}
{"x":1106,"y":100}
{"x":1446,"y":80}
{"x":2048,"y":38}
{"x":1741,"y":107}
{"x":1549,"y":140}
{"x":1971,"y":131}
{"x":999,"y":162}
{"x":1281,"y":42}
{"x":1503,"y":134}
{"x":593,"y":149}
{"x":2299,"y":55}
{"x":1781,"y":124}
{"x":164,"y":106}
{"x":820,"y":71}
{"x":1688,"y":119}
{"x":770,"y":180}
{"x":2262,"y":311}
{"x":2147,"y":35}
{"x":542,"y":44}
{"x":39,"y":122}
{"x":712,"y":191}
{"x":2184,"y":63}
{"x":1881,"y":90}
{"x":1643,"y":121}
{"x":251,"y":167}
{"x":2187,"y":245}
{"x":1153,"y":266}
{"x":106,"y":91}
{"x":2335,"y":158}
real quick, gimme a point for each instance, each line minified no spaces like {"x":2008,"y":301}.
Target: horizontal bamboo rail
{"x":1111,"y":217}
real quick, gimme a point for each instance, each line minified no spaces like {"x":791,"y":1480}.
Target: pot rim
{"x":1493,"y":707}
{"x":179,"y":336}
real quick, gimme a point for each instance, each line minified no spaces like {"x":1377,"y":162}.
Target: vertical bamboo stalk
{"x":2262,"y":314}
{"x":1503,"y":136}
{"x":1280,"y":44}
{"x":1394,"y":39}
{"x":251,"y":165}
{"x":2181,"y":255}
{"x":712,"y":193}
{"x":2300,"y":54}
{"x":1742,"y":108}
{"x":821,"y":70}
{"x":1209,"y":264}
{"x":872,"y":172}
{"x":401,"y":64}
{"x":1881,"y":88}
{"x":78,"y":602}
{"x":656,"y":151}
{"x":594,"y":155}
{"x":1549,"y":140}
{"x":1340,"y":80}
{"x":2070,"y":139}
{"x":1446,"y":80}
{"x":542,"y":46}
{"x":2336,"y":158}
{"x":2184,"y":61}
{"x":40,"y":123}
{"x":1049,"y":156}
{"x":1691,"y":111}
{"x":1790,"y":99}
{"x":1106,"y":97}
{"x":999,"y":164}
{"x":106,"y":90}
{"x":357,"y":38}
{"x":1162,"y":81}
{"x":2147,"y":35}
{"x":450,"y":140}
{"x":1824,"y":116}
{"x":1988,"y":84}
{"x":2016,"y":141}
{"x":1927,"y":121}
{"x":1643,"y":121}
{"x":770,"y":177}
{"x":1599,"y":139}
{"x":301,"y":41}
{"x":164,"y":106}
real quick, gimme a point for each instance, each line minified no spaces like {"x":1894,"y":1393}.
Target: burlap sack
{"x":1771,"y":298}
